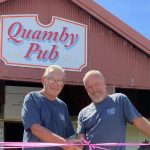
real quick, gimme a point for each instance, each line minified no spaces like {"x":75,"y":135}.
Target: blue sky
{"x":135,"y":13}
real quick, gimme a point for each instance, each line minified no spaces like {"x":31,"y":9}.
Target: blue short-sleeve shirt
{"x":106,"y":121}
{"x":53,"y":115}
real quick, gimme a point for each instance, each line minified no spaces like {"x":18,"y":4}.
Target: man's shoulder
{"x":119,"y":98}
{"x":32,"y":96}
{"x":32,"y":93}
{"x":87,"y":108}
{"x":118,"y":95}
{"x":61,"y":102}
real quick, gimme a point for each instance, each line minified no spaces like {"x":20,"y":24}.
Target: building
{"x":122,"y":54}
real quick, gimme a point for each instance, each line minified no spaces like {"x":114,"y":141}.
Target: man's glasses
{"x":52,"y":81}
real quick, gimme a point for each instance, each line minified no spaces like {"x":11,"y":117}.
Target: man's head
{"x":95,"y":84}
{"x":53,"y":80}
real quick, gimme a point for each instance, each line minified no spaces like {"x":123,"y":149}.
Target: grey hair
{"x":54,"y":68}
{"x":93,"y":73}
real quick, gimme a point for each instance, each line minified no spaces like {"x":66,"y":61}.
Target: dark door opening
{"x":76,"y":97}
{"x":13,"y":132}
{"x":139,"y":98}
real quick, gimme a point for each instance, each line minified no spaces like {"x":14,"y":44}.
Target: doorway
{"x":139,"y":98}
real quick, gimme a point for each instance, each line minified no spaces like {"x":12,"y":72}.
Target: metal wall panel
{"x":123,"y":64}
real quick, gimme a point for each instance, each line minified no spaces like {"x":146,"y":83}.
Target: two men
{"x":46,"y":118}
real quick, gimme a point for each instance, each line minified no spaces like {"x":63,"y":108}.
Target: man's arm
{"x":46,"y":135}
{"x":143,"y":125}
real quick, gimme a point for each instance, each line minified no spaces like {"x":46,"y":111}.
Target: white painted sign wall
{"x":14,"y":97}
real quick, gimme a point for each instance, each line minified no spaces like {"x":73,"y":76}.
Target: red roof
{"x":115,"y":24}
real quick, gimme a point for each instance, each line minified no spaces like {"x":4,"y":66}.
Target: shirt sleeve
{"x":80,"y":128}
{"x":30,"y":112}
{"x":129,"y":110}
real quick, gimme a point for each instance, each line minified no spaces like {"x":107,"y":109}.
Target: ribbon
{"x":91,"y":146}
{"x":85,"y":143}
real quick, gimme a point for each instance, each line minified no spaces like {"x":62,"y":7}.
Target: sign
{"x":28,"y":43}
{"x":14,"y":96}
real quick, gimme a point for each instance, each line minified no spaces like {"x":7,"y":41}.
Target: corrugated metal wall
{"x":121,"y":62}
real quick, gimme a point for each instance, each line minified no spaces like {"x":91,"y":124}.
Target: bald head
{"x":93,"y":73}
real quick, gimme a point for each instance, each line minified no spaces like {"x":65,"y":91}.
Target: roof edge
{"x":115,"y":24}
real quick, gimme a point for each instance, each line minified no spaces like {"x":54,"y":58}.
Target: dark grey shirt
{"x":106,"y":122}
{"x":53,"y":115}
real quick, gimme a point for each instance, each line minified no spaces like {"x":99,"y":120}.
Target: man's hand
{"x":75,"y":144}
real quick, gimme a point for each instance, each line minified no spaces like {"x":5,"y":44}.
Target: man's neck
{"x":49,"y":97}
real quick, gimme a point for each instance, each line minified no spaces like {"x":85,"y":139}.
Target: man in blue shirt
{"x":45,"y":117}
{"x":105,"y":119}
